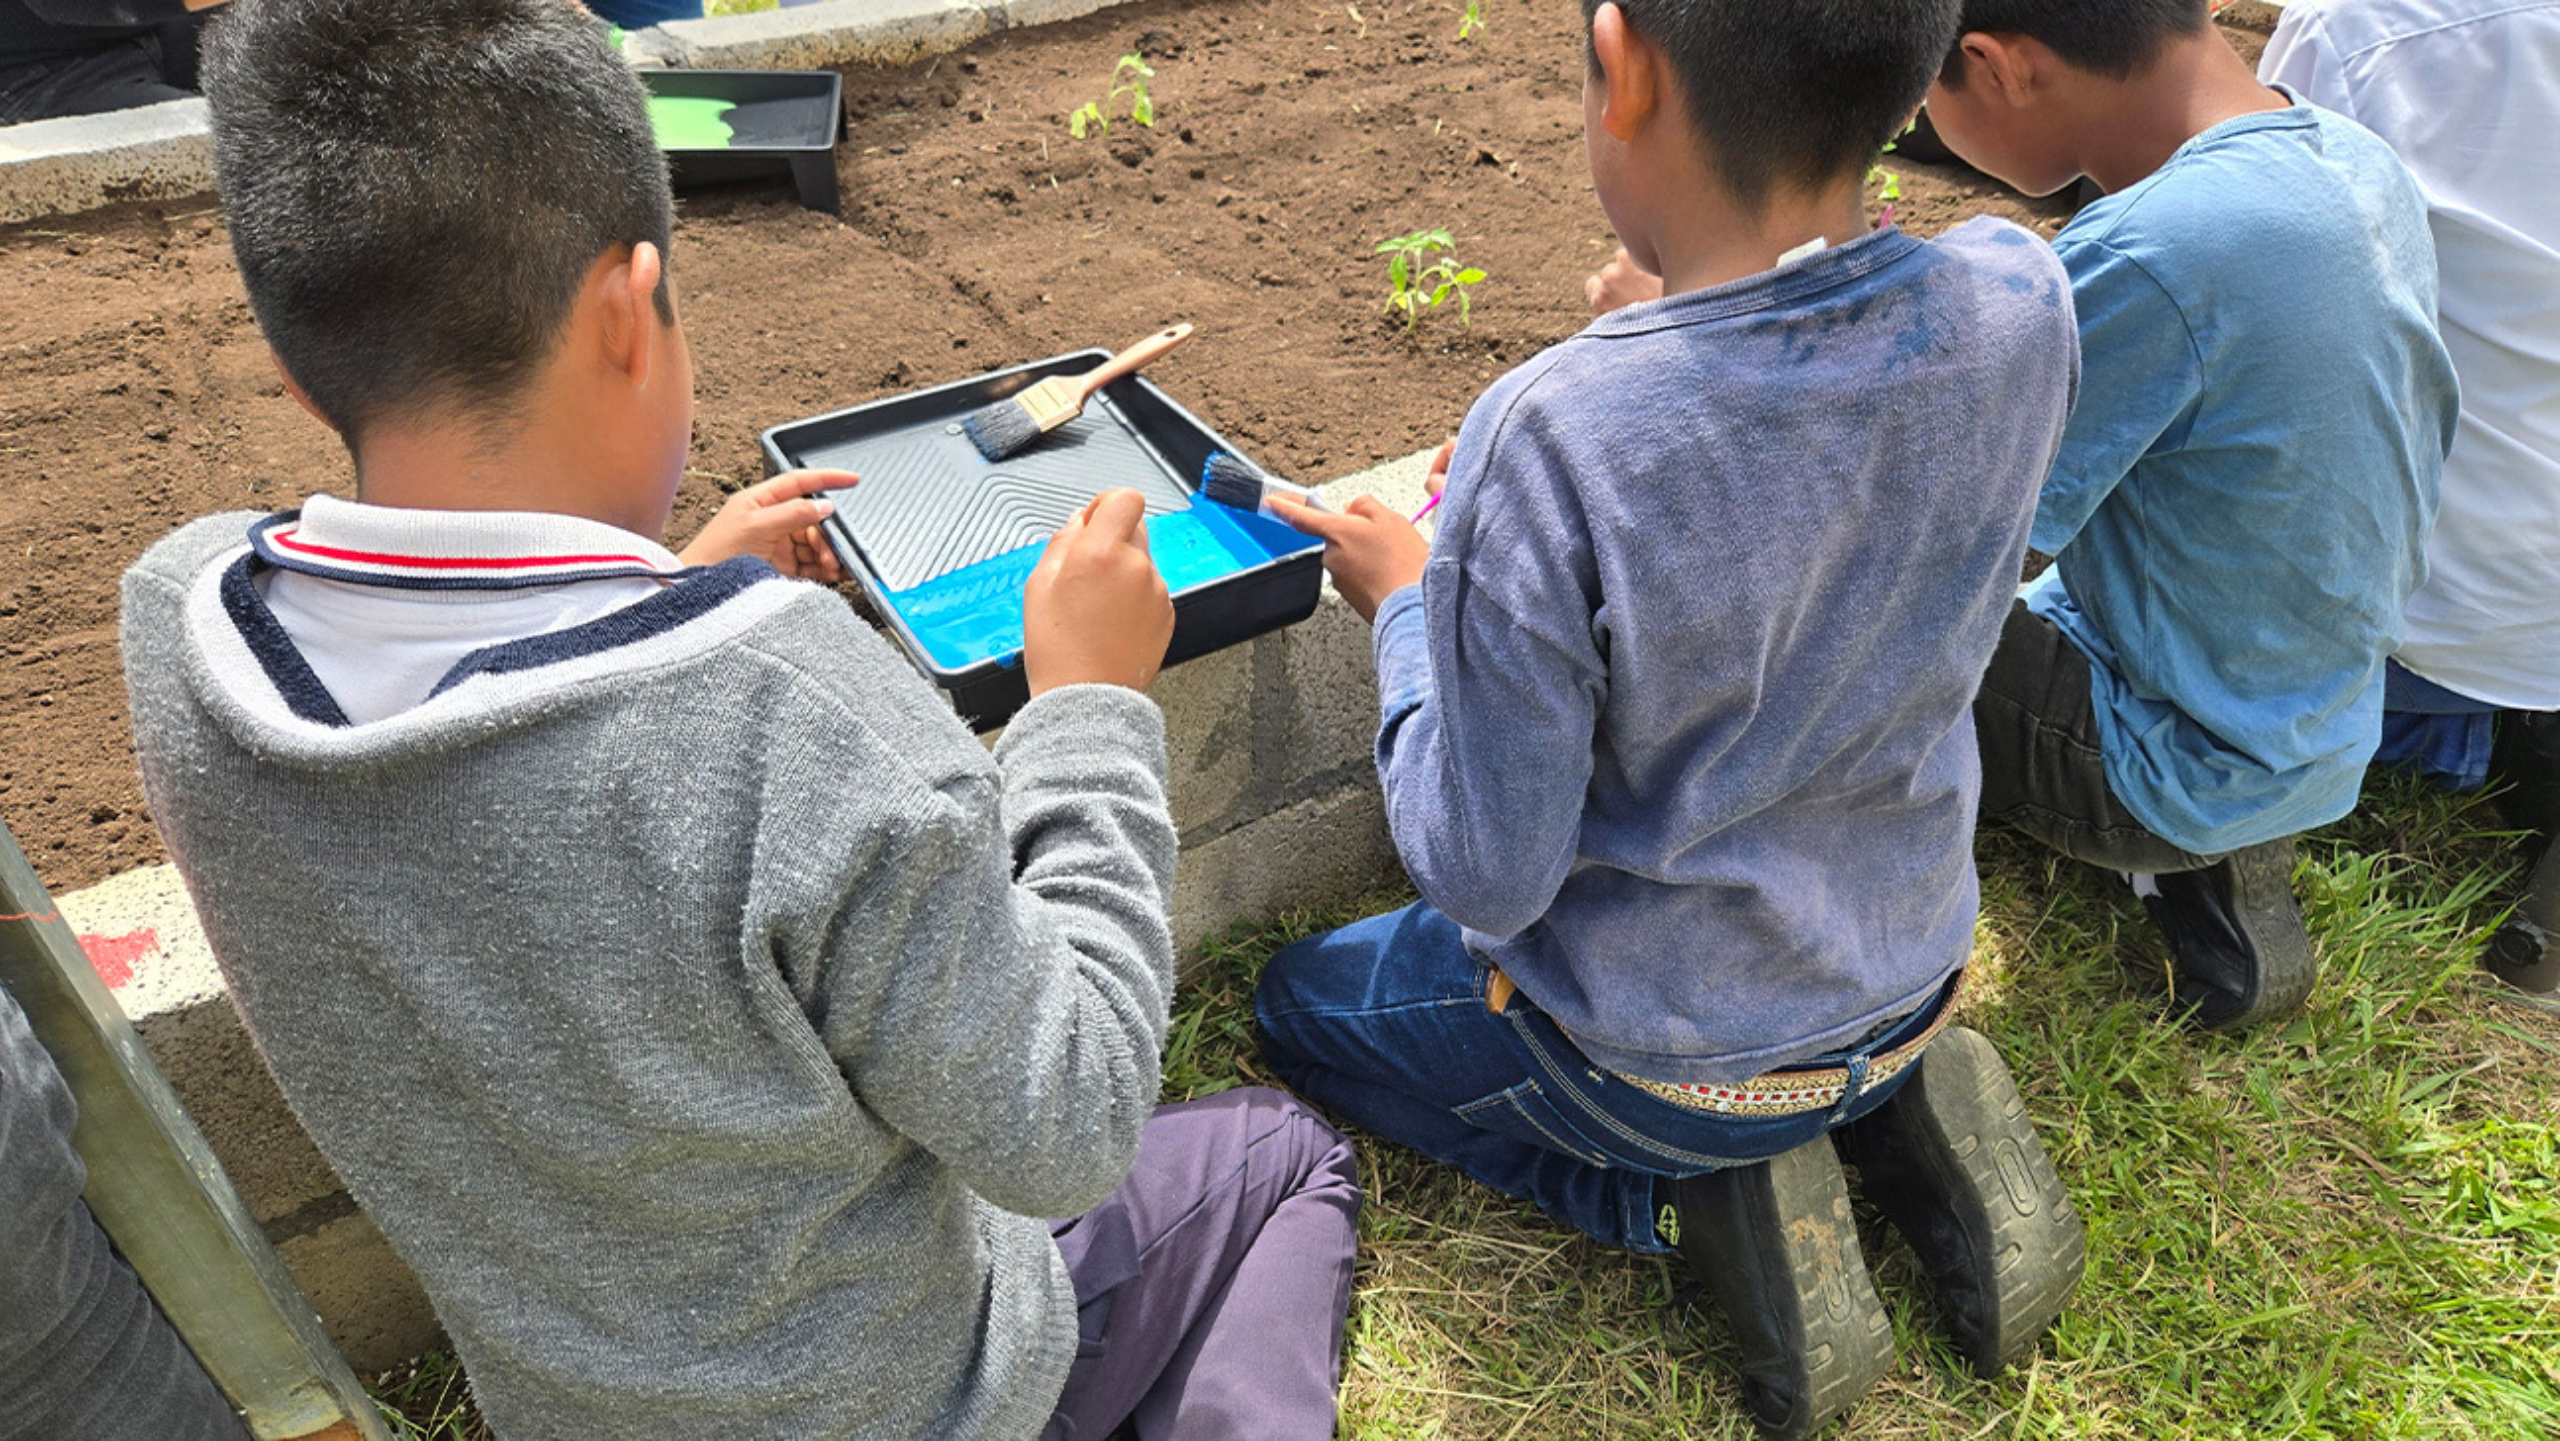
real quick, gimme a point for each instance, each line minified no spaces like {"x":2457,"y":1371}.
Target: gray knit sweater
{"x":696,"y":1006}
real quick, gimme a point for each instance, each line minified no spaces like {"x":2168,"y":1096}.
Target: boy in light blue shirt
{"x":2243,"y":497}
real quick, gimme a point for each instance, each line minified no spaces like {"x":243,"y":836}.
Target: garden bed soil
{"x":135,"y":392}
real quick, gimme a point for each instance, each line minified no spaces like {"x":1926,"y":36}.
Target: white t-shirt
{"x":2468,"y":93}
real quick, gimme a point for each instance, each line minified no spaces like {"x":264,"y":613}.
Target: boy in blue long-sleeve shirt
{"x":1675,"y":739}
{"x":2243,"y":497}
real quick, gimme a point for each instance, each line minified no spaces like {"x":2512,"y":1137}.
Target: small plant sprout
{"x":1891,"y":193}
{"x":1472,"y":21}
{"x":1129,"y":78}
{"x":1423,"y":271}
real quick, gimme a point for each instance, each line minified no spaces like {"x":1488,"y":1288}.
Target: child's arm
{"x":1017,"y":1029}
{"x":2140,"y":379}
{"x":1489,"y":677}
{"x":1004,"y":967}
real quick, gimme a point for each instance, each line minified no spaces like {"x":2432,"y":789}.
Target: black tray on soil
{"x":939,"y":539}
{"x":786,"y":123}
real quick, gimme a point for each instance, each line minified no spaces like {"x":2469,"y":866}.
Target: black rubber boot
{"x":2525,"y":953}
{"x":2236,"y":933}
{"x":1954,"y":1164}
{"x":2525,"y":767}
{"x":1776,"y":1247}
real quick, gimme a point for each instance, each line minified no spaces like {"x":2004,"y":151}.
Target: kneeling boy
{"x":2240,"y":507}
{"x":1676,"y":738}
{"x":694,"y":1003}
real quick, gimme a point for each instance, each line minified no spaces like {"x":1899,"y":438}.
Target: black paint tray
{"x":785,"y":122}
{"x":941,"y":540}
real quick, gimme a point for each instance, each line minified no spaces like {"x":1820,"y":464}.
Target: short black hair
{"x":1795,"y":91}
{"x":416,"y":190}
{"x":2113,"y":38}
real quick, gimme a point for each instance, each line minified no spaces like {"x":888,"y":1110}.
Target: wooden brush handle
{"x":1128,"y":362}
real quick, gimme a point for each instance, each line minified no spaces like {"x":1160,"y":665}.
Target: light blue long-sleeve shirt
{"x":2243,"y":497}
{"x":1678,"y":725}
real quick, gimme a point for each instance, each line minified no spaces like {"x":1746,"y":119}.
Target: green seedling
{"x":1472,"y":21}
{"x":1096,"y":115}
{"x":1891,"y":194}
{"x":1422,"y":271}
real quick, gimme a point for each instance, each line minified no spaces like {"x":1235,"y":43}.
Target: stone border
{"x":60,"y":167}
{"x":162,"y":152}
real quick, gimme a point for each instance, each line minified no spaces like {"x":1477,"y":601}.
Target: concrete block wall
{"x":1273,"y":790}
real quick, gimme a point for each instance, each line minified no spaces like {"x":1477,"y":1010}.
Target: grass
{"x":2348,"y":1226}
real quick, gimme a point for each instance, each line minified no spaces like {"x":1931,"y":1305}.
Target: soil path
{"x":1291,"y":136}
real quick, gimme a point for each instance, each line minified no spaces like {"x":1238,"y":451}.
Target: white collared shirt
{"x":2468,"y":93}
{"x":384,"y":603}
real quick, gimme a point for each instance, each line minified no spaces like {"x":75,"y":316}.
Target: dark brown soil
{"x":1290,"y":138}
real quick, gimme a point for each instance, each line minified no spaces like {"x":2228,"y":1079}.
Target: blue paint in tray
{"x":974,"y":614}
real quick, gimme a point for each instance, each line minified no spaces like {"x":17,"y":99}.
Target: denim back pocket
{"x":1526,"y":1113}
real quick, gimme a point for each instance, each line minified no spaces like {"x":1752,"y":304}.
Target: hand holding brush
{"x":1241,"y":485}
{"x":1437,"y":482}
{"x":1370,"y":548}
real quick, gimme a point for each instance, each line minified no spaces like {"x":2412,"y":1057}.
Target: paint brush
{"x":1236,"y":482}
{"x":1008,"y":427}
{"x":1232,"y":481}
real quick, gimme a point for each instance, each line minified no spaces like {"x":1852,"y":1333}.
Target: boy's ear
{"x":2008,"y":66}
{"x":294,"y":388}
{"x":626,"y":291}
{"x":1630,"y":74}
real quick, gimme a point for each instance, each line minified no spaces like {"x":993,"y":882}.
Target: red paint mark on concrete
{"x":115,"y":956}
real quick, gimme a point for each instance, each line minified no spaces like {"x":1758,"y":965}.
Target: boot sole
{"x":1967,"y":1110}
{"x":2261,"y":902}
{"x":1777,"y":1242}
{"x":1848,"y":1336}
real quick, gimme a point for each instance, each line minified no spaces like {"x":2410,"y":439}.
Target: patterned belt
{"x":1773,"y":1093}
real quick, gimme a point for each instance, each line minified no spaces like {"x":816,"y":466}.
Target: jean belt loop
{"x":1854,"y":1087}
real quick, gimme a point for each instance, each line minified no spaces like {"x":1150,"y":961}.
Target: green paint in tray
{"x":686,"y":122}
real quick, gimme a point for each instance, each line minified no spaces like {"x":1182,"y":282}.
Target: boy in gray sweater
{"x":698,"y":1008}
{"x":1675,"y":734}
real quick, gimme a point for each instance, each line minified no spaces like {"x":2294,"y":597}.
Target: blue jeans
{"x":1384,"y":1024}
{"x":2440,"y":733}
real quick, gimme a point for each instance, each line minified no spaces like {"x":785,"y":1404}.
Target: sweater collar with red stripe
{"x":453,"y":549}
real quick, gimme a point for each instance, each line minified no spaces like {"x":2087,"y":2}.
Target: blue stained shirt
{"x":2244,"y":494}
{"x":1678,"y":724}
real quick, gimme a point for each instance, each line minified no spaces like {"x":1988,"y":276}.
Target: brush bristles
{"x":1002,"y":430}
{"x":1231,"y":482}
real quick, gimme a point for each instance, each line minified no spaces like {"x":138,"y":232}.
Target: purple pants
{"x":1211,"y":1287}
